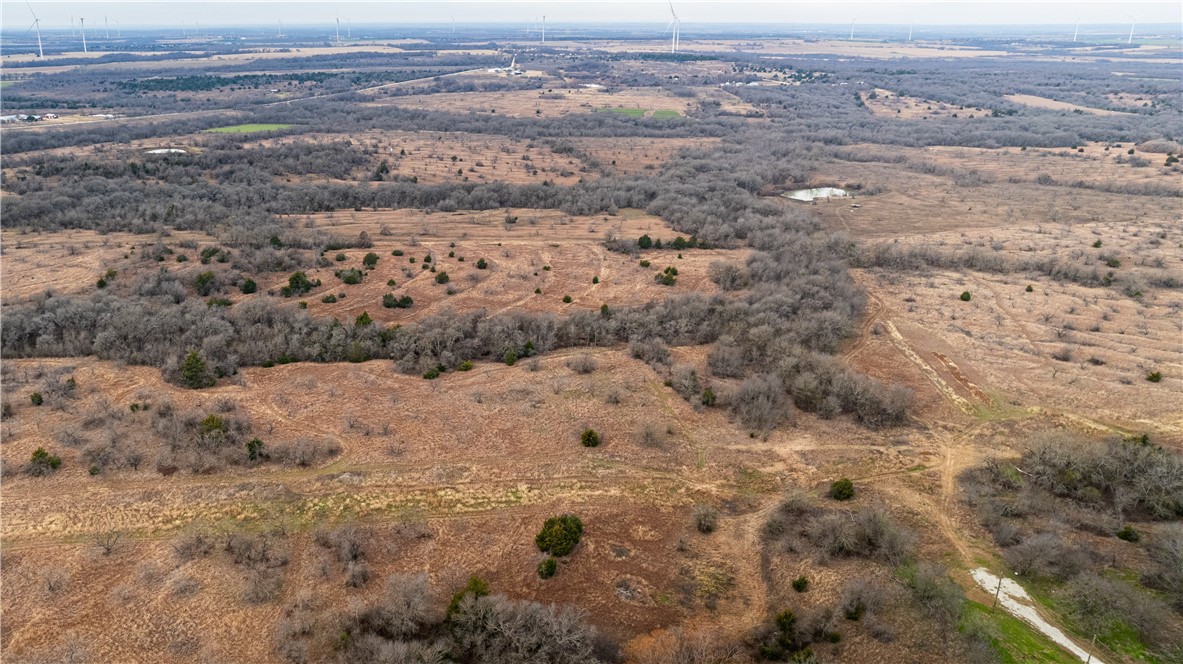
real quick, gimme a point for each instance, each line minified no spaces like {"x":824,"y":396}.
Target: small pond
{"x":817,"y":192}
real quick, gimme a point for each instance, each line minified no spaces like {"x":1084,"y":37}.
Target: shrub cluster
{"x":559,"y":535}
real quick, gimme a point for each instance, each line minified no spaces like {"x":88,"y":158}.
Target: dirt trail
{"x":933,"y":376}
{"x":957,"y":454}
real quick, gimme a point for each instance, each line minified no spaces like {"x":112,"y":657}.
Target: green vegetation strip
{"x":247,"y":128}
{"x":1014,"y":641}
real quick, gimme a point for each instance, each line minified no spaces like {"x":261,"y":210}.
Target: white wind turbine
{"x":910,"y":26}
{"x":82,"y":27}
{"x":676,"y":24}
{"x":37,"y":27}
{"x":106,"y":26}
{"x":1133,"y":22}
{"x":338,"y":31}
{"x":280,"y":28}
{"x":852,"y":29}
{"x":1076,"y":33}
{"x":544,"y":28}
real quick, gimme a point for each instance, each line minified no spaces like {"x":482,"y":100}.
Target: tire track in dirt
{"x":274,"y":411}
{"x":875,"y":309}
{"x":79,"y":519}
{"x":929,"y":372}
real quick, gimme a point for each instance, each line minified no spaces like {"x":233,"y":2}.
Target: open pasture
{"x":557,"y":254}
{"x":1026,"y":342}
{"x":886,"y":103}
{"x":1054,"y":105}
{"x":434,"y":157}
{"x":947,"y":188}
{"x":69,"y":262}
{"x":551,"y":101}
{"x":635,"y":155}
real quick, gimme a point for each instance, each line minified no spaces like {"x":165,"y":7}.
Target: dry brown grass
{"x":69,"y":261}
{"x":996,"y":352}
{"x":1080,"y":353}
{"x":886,"y":103}
{"x":517,"y":255}
{"x":1053,"y":105}
{"x":552,"y":101}
{"x":425,"y":486}
{"x":910,"y":202}
{"x":478,"y":157}
{"x":636,"y":155}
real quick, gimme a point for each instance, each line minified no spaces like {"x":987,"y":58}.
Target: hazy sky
{"x":57,"y":13}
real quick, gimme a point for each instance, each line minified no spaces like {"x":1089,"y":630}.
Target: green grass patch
{"x":630,"y":112}
{"x":247,"y":128}
{"x":5,"y":84}
{"x":666,"y":115}
{"x":1117,"y":636}
{"x":1015,"y":641}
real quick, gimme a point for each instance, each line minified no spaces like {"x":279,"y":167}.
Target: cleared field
{"x":886,"y":103}
{"x":1094,"y":164}
{"x":249,"y":128}
{"x":434,"y":157}
{"x":555,"y":253}
{"x":558,"y":254}
{"x":1053,"y":105}
{"x":550,"y":102}
{"x":636,"y":155}
{"x":1080,"y":352}
{"x":1131,"y":100}
{"x":908,"y":201}
{"x":68,"y":262}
